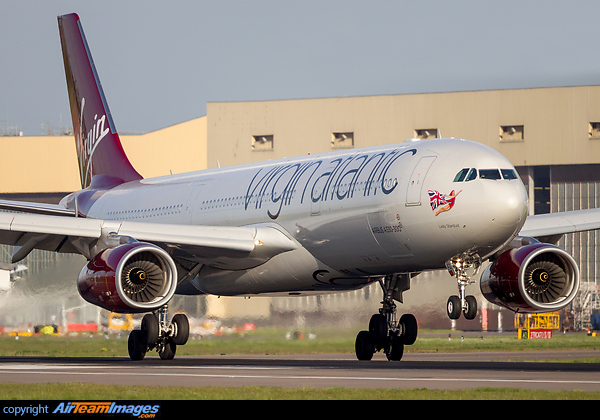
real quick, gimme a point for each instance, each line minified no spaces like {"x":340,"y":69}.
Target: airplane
{"x":314,"y":224}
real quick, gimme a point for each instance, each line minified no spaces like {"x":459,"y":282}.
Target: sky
{"x":160,"y":62}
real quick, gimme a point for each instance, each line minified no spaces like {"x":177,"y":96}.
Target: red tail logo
{"x":99,"y":150}
{"x":88,"y":142}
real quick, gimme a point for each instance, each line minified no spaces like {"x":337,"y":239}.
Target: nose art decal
{"x":442,"y":202}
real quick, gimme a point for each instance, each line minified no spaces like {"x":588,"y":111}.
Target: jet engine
{"x":532,"y":278}
{"x":130,"y":278}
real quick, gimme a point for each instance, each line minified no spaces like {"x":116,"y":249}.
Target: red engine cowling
{"x":129,"y":278}
{"x":532,"y":278}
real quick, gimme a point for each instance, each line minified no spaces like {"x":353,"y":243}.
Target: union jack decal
{"x":441,"y":202}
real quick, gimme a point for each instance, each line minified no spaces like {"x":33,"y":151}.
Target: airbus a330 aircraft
{"x":314,"y":224}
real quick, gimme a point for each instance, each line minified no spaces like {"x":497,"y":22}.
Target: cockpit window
{"x":489,"y":174}
{"x":460,"y":176}
{"x":508,"y":174}
{"x":469,"y":174}
{"x":472,"y":175}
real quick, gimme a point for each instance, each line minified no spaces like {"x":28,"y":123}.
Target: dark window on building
{"x":427,"y":133}
{"x":342,"y":140}
{"x":594,"y":130}
{"x":264,"y":142}
{"x":541,"y":192}
{"x":512,"y":133}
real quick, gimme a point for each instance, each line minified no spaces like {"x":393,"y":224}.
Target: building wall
{"x":38,"y":165}
{"x":48,"y":164}
{"x":176,"y":149}
{"x":578,"y":188}
{"x":556,"y":126}
{"x":555,"y":122}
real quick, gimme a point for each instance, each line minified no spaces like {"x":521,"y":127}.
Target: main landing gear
{"x":157,"y":333}
{"x":385,"y":333}
{"x":463,"y":267}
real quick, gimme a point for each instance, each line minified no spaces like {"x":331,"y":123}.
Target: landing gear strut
{"x":385,"y":333}
{"x":463,"y":267}
{"x":157,"y":333}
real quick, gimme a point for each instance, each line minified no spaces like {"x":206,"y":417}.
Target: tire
{"x":470,"y":311}
{"x":136,"y":345}
{"x":378,"y":329}
{"x":410,"y":329}
{"x":396,"y":351}
{"x":453,"y":307}
{"x":150,"y":329}
{"x":168,"y":351}
{"x":182,"y":326}
{"x":363,"y":346}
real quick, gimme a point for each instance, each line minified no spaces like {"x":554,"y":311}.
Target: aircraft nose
{"x":508,"y":204}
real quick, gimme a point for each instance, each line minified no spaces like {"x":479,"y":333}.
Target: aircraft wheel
{"x":470,"y":311}
{"x":453,"y":307}
{"x":182,"y":328}
{"x":150,"y":329}
{"x":363,"y":346}
{"x":410,"y":329}
{"x":168,"y":350}
{"x":396,"y":350}
{"x":136,"y":345}
{"x":378,"y":329}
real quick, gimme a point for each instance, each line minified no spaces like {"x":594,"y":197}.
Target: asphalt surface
{"x":449,"y":371}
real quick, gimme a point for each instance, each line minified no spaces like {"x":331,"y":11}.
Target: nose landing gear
{"x":463,"y":267}
{"x":385,"y":333}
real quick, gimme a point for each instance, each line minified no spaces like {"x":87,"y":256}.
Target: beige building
{"x":46,"y":166}
{"x":552,"y":136}
{"x":532,"y":127}
{"x":552,"y":126}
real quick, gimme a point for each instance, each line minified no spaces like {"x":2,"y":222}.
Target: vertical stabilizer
{"x":99,"y":150}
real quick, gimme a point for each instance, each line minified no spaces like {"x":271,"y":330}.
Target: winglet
{"x":99,"y":150}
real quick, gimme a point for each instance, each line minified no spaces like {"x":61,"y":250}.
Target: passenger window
{"x":489,"y":174}
{"x":460,"y":176}
{"x":472,"y":175}
{"x":508,"y":174}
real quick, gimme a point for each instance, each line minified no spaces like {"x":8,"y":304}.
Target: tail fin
{"x":99,"y":150}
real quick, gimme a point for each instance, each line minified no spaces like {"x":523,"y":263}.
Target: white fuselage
{"x":357,"y":214}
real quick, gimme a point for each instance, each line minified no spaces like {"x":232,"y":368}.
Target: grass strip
{"x":85,"y":391}
{"x":274,"y":342}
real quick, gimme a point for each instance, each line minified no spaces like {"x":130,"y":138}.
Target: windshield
{"x":489,"y":174}
{"x":469,"y":174}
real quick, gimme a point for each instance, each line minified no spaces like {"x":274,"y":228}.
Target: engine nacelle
{"x":532,"y":278}
{"x":129,"y":278}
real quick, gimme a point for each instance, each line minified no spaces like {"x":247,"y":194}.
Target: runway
{"x":449,"y":371}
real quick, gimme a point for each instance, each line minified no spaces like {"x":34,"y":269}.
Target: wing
{"x":223,"y":247}
{"x":553,"y":225}
{"x":36,"y":208}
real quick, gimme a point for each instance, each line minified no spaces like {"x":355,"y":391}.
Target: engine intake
{"x":133,"y":277}
{"x":533,"y":278}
